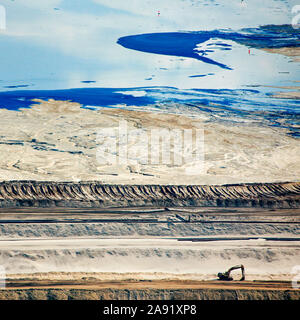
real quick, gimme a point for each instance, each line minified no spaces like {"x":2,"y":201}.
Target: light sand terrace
{"x":57,"y":141}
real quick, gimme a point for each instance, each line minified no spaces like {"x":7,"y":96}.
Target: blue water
{"x":109,"y":53}
{"x":183,"y":44}
{"x":13,"y":100}
{"x":243,"y":99}
{"x":174,"y":44}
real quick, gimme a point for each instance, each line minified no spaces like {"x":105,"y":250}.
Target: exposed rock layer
{"x":93,"y":194}
{"x":148,"y":294}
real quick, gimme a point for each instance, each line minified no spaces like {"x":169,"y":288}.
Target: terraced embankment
{"x":147,"y":235}
{"x":93,"y":194}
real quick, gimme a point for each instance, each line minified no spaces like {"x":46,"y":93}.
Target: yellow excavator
{"x":225,"y":276}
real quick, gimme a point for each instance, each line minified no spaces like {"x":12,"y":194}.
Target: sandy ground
{"x":57,"y":141}
{"x":293,"y":52}
{"x":92,"y":284}
{"x":288,"y":95}
{"x":148,"y":252}
{"x":151,"y":260}
{"x":152,"y":243}
{"x":102,"y":278}
{"x":148,"y":290}
{"x":294,"y":92}
{"x":263,"y":259}
{"x":144,"y":223}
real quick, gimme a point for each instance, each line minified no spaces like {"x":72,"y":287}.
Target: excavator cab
{"x":225,"y":276}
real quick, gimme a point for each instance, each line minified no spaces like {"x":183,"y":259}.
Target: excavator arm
{"x":240,"y":266}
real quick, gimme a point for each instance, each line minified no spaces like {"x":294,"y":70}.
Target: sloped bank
{"x":94,"y":194}
{"x":148,"y":294}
